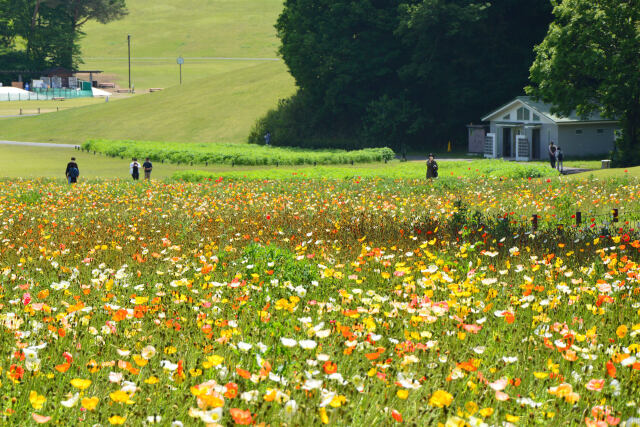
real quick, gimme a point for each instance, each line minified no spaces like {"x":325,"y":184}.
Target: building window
{"x":536,"y":118}
{"x":523,"y":114}
{"x":600,"y":131}
{"x":507,"y":117}
{"x":578,"y":131}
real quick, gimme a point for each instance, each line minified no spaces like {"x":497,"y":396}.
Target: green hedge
{"x":238,"y":154}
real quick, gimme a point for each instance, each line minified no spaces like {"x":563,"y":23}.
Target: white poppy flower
{"x":70,"y":403}
{"x":288,"y":342}
{"x":308,"y":344}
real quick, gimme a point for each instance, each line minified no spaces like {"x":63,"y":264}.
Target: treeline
{"x":406,"y":74}
{"x":37,"y":34}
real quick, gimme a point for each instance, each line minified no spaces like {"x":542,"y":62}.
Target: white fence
{"x":523,"y":151}
{"x":491,"y":146}
{"x":31,"y":96}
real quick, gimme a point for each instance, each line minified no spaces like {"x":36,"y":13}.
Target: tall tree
{"x":445,"y":59}
{"x":414,"y":72}
{"x":7,"y":32}
{"x":51,"y":29}
{"x":590,"y":62}
{"x":340,"y":52}
{"x":75,"y":13}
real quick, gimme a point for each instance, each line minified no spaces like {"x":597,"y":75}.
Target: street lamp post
{"x":180,"y":62}
{"x":129,"y":47}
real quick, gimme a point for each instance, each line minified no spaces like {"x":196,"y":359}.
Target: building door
{"x":535,"y":143}
{"x":506,"y":142}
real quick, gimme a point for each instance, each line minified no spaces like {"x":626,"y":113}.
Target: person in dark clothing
{"x":134,"y":169}
{"x":560,"y":160}
{"x":552,"y":154}
{"x":148,"y":167}
{"x":432,"y":167}
{"x":73,"y":172}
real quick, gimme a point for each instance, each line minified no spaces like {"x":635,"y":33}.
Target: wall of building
{"x":587,"y":143}
{"x":548,"y":133}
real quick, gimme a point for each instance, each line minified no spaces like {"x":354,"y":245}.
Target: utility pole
{"x":129,"y":46}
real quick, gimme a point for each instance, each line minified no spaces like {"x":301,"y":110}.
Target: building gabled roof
{"x":544,"y":109}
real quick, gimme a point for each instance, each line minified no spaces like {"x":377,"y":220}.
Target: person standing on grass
{"x":432,"y":167}
{"x":559,"y":160}
{"x":73,"y":172}
{"x":552,"y":154}
{"x":147,"y":166}
{"x":134,"y":169}
{"x":267,"y":138}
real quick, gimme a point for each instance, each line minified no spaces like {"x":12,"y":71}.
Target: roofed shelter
{"x":523,"y":129}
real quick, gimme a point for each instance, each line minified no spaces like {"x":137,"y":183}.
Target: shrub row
{"x":238,"y":154}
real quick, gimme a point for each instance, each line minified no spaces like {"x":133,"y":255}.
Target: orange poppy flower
{"x":241,"y":417}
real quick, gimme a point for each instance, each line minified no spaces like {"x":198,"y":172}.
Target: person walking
{"x":559,"y":160}
{"x":73,"y":172}
{"x":552,"y":154}
{"x":432,"y":167}
{"x":134,"y":169}
{"x":147,"y":166}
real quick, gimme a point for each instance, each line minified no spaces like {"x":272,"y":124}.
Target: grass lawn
{"x":612,"y":173}
{"x":393,"y":170}
{"x":162,"y":30}
{"x":31,"y":162}
{"x":220,"y":109}
{"x":164,"y":73}
{"x":220,"y":100}
{"x":35,"y":162}
{"x":192,"y":28}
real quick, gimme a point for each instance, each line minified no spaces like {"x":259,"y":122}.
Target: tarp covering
{"x":99,"y":92}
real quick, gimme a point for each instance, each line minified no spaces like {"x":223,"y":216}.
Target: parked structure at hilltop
{"x":523,"y":129}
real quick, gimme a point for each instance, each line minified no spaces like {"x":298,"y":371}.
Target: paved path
{"x":173,"y":58}
{"x":439,"y":159}
{"x":17,"y":115}
{"x":574,"y":171}
{"x":38,"y":144}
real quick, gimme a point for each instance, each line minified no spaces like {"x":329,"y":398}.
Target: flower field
{"x":310,"y":302}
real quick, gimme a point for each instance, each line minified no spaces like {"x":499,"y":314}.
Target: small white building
{"x":523,"y":128}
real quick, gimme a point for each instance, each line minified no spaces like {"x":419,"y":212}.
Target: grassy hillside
{"x":192,"y":28}
{"x":162,"y":30}
{"x":220,"y":99}
{"x":219,"y":109}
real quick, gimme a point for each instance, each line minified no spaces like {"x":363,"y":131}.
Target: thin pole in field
{"x":129,"y":49}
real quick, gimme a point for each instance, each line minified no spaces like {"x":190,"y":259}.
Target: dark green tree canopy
{"x":590,"y":61}
{"x":49,"y":30}
{"x":408,"y":73}
{"x":340,"y":51}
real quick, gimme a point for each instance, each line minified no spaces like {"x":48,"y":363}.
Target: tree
{"x":445,"y":58}
{"x":50,"y":30}
{"x":466,"y":58}
{"x":73,"y":14}
{"x":7,"y":32}
{"x":408,"y":73}
{"x":342,"y":53}
{"x":590,"y":62}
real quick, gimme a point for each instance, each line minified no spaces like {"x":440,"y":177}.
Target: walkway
{"x":573,"y":171}
{"x":38,"y":144}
